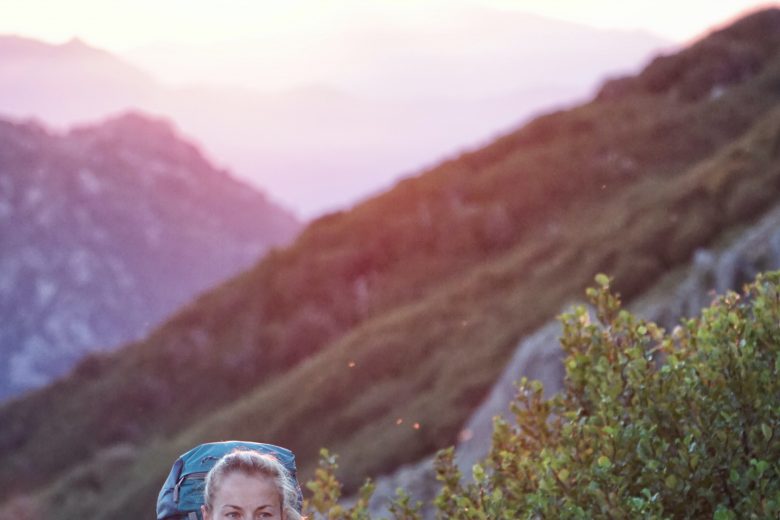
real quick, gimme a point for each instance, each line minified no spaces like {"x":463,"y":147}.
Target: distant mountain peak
{"x":76,"y":43}
{"x":135,"y":122}
{"x":107,"y":229}
{"x":138,"y":130}
{"x":133,"y":134}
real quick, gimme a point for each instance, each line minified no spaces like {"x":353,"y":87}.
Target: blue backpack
{"x":182,"y":494}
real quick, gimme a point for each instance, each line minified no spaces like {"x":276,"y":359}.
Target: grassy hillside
{"x":407,"y":306}
{"x":430,"y":361}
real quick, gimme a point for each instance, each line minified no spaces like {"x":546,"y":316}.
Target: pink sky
{"x":298,"y":36}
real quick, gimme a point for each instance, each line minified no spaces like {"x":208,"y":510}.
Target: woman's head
{"x":248,"y":485}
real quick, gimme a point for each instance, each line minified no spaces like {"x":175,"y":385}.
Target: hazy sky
{"x":124,"y":24}
{"x":175,"y":39}
{"x":424,"y":51}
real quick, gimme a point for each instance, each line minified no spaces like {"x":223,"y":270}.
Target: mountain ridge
{"x":407,"y":306}
{"x":107,"y":213}
{"x":359,"y":141}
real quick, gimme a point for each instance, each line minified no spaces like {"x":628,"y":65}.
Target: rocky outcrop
{"x":678,"y":294}
{"x":105,"y":231}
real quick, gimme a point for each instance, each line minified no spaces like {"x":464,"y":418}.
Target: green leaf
{"x":722,"y":513}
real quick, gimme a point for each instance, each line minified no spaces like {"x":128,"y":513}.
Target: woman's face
{"x":245,"y":497}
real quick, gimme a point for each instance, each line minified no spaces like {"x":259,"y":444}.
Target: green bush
{"x":650,"y":424}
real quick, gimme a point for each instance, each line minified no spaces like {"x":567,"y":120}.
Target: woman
{"x":248,"y":485}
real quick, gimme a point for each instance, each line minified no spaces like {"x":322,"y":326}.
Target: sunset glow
{"x":324,"y":102}
{"x":121,"y":25}
{"x":307,"y":33}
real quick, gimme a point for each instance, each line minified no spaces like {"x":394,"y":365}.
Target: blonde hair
{"x":251,"y":463}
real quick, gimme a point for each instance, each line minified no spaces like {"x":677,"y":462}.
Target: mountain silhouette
{"x":423,"y":95}
{"x":105,"y":231}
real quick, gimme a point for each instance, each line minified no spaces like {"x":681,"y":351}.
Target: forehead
{"x":246,"y":491}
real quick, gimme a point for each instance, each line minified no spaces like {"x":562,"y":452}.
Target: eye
{"x":234,"y":514}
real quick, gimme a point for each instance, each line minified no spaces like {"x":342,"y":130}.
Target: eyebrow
{"x":264,"y":506}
